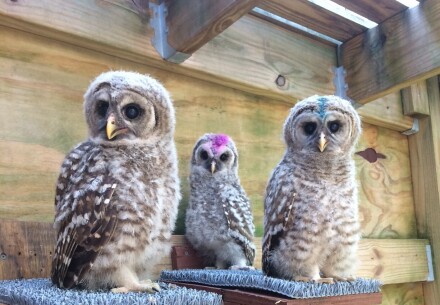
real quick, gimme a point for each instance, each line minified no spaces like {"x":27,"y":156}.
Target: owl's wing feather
{"x":84,"y":218}
{"x":278,"y":213}
{"x":239,"y":218}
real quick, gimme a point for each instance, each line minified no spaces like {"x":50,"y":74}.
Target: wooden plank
{"x":193,"y":23}
{"x":387,"y":260}
{"x":239,"y":297}
{"x":383,"y":259}
{"x":314,"y":17}
{"x":28,"y":248}
{"x":249,"y":55}
{"x":425,"y":165}
{"x":415,"y":100}
{"x":30,"y":159}
{"x":386,"y":112}
{"x":274,"y":21}
{"x":386,"y":204}
{"x":25,"y":249}
{"x":400,"y":51}
{"x":375,"y":10}
{"x":409,"y":293}
{"x":244,"y":297}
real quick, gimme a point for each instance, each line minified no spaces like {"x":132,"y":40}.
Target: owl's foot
{"x":348,"y":278}
{"x":143,"y":286}
{"x":327,"y":280}
{"x":238,"y":267}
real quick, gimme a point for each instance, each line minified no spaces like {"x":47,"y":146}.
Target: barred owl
{"x":311,"y":227}
{"x":118,"y":191}
{"x":219,"y":221}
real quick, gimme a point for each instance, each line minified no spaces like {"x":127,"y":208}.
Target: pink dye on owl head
{"x":218,"y":141}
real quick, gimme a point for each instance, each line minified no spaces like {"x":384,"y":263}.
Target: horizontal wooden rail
{"x":26,"y":249}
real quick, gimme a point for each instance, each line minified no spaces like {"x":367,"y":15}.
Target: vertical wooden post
{"x":425,"y":165}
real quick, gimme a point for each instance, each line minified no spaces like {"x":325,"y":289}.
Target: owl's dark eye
{"x":224,"y":157}
{"x":309,"y":128}
{"x":132,"y":111}
{"x":204,"y":155}
{"x":334,"y":126}
{"x":102,"y":108}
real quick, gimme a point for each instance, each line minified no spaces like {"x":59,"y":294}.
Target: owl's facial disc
{"x":214,"y":161}
{"x":112,"y":130}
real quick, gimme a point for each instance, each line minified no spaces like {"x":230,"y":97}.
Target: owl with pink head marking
{"x":219,"y":222}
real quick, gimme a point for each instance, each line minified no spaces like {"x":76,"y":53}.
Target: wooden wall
{"x":42,"y":81}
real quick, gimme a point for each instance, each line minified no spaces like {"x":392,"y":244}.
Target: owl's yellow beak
{"x":322,"y":142}
{"x":112,"y":129}
{"x":213,"y":167}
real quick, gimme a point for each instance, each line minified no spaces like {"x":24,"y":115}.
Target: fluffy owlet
{"x":219,"y":221}
{"x":117,"y":193}
{"x":311,"y":227}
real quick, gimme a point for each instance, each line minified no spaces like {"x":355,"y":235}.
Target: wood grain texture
{"x":386,"y":205}
{"x":249,"y":55}
{"x":28,"y":248}
{"x":383,"y":259}
{"x":25,"y":249}
{"x":386,"y":112}
{"x":415,"y":100}
{"x":425,"y":164}
{"x":193,"y":23}
{"x":400,"y":51}
{"x":375,"y":10}
{"x":46,"y":81}
{"x":314,"y":17}
{"x":403,"y":294}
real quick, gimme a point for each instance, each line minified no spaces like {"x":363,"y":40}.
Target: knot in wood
{"x":280,"y":81}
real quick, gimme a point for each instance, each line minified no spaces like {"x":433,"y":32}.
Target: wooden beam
{"x":400,"y":51}
{"x":415,"y":100}
{"x":193,"y":23}
{"x":313,"y":17}
{"x":27,"y":248}
{"x":375,"y":10}
{"x":250,"y":55}
{"x":386,"y":112}
{"x":425,"y":166}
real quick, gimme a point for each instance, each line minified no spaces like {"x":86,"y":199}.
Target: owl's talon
{"x":143,"y":286}
{"x":243,"y":268}
{"x":326,"y":280}
{"x":349,"y":278}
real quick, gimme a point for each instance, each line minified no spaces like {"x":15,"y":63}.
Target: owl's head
{"x":215,"y":154}
{"x":322,"y":124}
{"x":127,"y":106}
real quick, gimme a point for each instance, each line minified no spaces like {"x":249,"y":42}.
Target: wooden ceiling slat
{"x":375,"y":10}
{"x":192,"y":23}
{"x":313,"y":17}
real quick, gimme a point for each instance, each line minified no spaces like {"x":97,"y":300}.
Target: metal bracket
{"x":339,"y":82}
{"x":430,"y":265}
{"x":414,"y":129}
{"x":341,"y":86}
{"x":160,"y":38}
